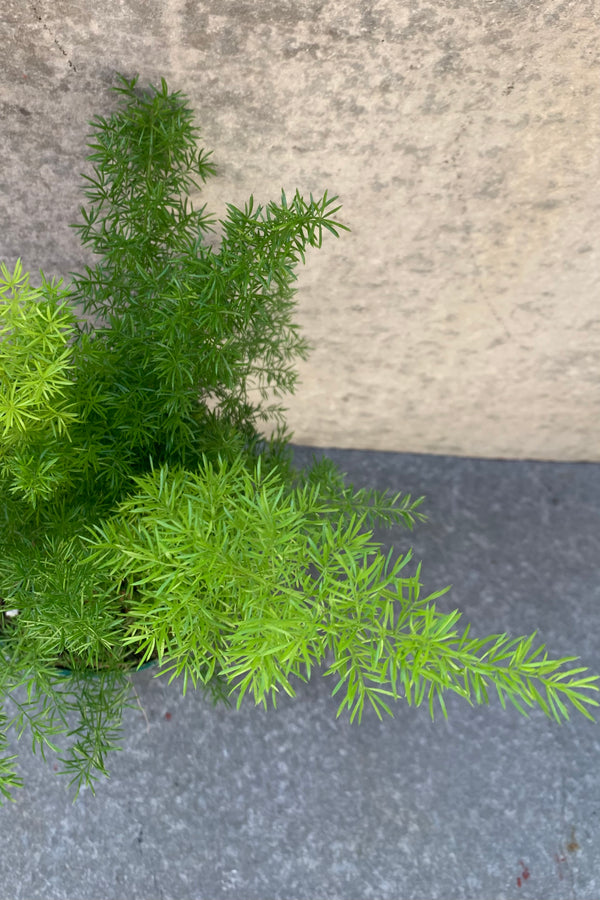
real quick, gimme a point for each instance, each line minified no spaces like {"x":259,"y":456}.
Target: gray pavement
{"x":208,"y":803}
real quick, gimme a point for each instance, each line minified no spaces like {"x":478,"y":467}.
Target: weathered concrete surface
{"x":460,"y":316}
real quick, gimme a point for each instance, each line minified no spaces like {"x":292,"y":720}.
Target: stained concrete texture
{"x":208,"y":803}
{"x":463,"y":138}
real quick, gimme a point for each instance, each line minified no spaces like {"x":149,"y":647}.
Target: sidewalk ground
{"x":208,"y":803}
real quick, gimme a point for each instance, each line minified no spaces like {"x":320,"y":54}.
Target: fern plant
{"x":145,"y":518}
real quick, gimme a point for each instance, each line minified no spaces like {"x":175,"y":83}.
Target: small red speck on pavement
{"x":168,"y":716}
{"x":525,"y":874}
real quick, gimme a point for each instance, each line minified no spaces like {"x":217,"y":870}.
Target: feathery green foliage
{"x":146,"y":518}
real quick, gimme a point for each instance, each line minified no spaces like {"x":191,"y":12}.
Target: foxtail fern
{"x":146,"y":518}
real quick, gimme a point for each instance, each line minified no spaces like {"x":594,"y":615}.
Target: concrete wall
{"x":461,"y":314}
